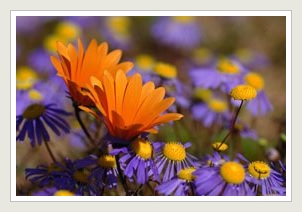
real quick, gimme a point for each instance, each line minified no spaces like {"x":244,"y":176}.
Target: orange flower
{"x":76,"y":67}
{"x":129,"y":108}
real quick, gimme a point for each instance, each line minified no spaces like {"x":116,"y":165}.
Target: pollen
{"x":186,"y":174}
{"x":63,"y":193}
{"x":165,"y":70}
{"x":142,"y":148}
{"x":33,"y":111}
{"x":227,"y":66}
{"x":243,"y":92}
{"x":81,"y":176}
{"x":67,"y":31}
{"x":107,"y":161}
{"x":203,"y":94}
{"x":35,"y":95}
{"x":217,"y":105}
{"x":232,"y":172}
{"x":220,"y":147}
{"x":145,"y":62}
{"x":25,"y":78}
{"x":174,"y":151}
{"x":255,"y":80}
{"x":259,"y":170}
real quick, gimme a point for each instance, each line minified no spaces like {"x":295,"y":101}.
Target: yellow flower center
{"x":142,"y":148}
{"x":107,"y":161}
{"x":183,"y":19}
{"x":174,"y":151}
{"x":220,"y":147}
{"x":186,"y":174}
{"x":227,"y":67}
{"x":33,"y":111}
{"x":119,"y":24}
{"x":63,"y":193}
{"x":35,"y":95}
{"x":217,"y":105}
{"x":67,"y":30}
{"x":259,"y":170}
{"x":243,"y":92}
{"x":25,"y":78}
{"x":203,"y":94}
{"x":50,"y":42}
{"x":255,"y":80}
{"x":232,"y":172}
{"x":165,"y":70}
{"x":144,"y":62}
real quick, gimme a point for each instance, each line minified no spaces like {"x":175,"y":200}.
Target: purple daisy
{"x":171,"y":157}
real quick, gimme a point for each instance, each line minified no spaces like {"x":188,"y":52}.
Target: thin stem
{"x":77,"y":114}
{"x":50,"y":152}
{"x":232,"y":125}
{"x":121,"y":175}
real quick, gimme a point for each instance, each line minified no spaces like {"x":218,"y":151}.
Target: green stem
{"x":232,"y":125}
{"x":50,"y":152}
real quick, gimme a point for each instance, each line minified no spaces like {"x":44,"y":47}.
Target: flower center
{"x":33,"y":111}
{"x":35,"y":95}
{"x":244,"y":55}
{"x":186,"y":174}
{"x":183,"y":19}
{"x":202,"y":55}
{"x":67,"y":30}
{"x":203,"y":94}
{"x":107,"y":161}
{"x":217,"y":105}
{"x":255,"y":80}
{"x":227,"y":67}
{"x":142,"y":148}
{"x":119,"y":24}
{"x":25,"y":78}
{"x":174,"y":151}
{"x":232,"y":172}
{"x":165,"y":70}
{"x":259,"y":170}
{"x":243,"y":92}
{"x":144,"y":62}
{"x":63,"y":193}
{"x":220,"y":147}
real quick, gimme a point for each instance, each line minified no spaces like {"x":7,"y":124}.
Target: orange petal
{"x":166,"y":118}
{"x":120,"y":87}
{"x":109,"y":89}
{"x":132,"y":97}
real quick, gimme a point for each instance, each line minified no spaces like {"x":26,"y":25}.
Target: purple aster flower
{"x":137,"y":161}
{"x":224,"y":75}
{"x":33,"y":120}
{"x":180,"y":185}
{"x":104,"y":172}
{"x":260,"y":105}
{"x":171,"y":157}
{"x":215,"y":159}
{"x":264,"y":179}
{"x":226,"y":179}
{"x":213,"y":111}
{"x":178,"y":32}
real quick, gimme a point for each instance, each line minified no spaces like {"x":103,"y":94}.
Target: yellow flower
{"x":76,"y":67}
{"x":243,"y":92}
{"x":165,"y":70}
{"x":129,"y":107}
{"x":255,"y":80}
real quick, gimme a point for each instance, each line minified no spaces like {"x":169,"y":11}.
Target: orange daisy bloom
{"x":129,"y":107}
{"x":76,"y":67}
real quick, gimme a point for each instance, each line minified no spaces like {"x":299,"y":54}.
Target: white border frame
{"x":286,"y":13}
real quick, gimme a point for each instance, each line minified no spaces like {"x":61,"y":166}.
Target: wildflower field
{"x":150,"y":106}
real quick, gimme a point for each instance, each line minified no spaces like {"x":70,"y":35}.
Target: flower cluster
{"x":127,"y":120}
